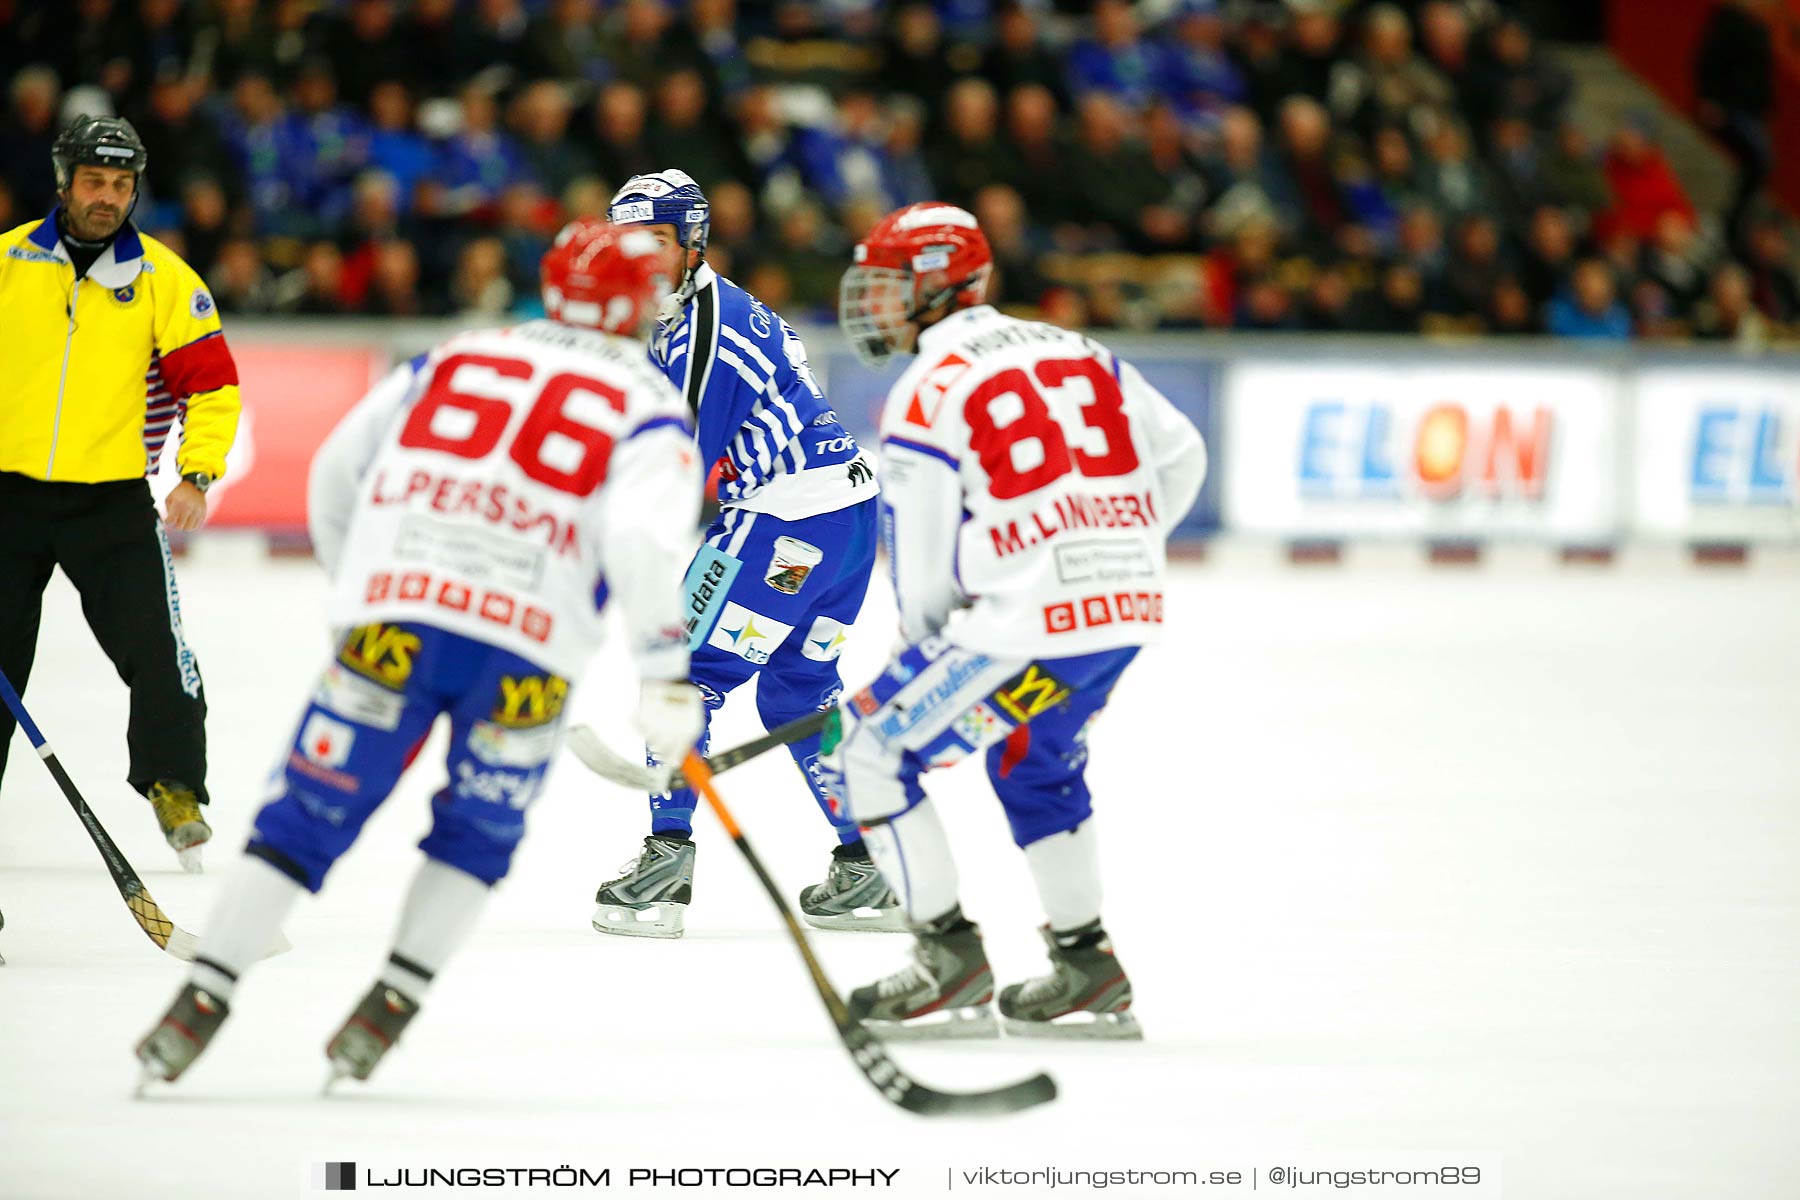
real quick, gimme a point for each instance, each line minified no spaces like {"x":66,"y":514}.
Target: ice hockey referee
{"x":109,"y":338}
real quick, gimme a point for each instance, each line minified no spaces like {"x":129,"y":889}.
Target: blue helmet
{"x":665,"y":198}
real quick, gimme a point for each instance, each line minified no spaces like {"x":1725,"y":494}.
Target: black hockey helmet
{"x":97,"y":142}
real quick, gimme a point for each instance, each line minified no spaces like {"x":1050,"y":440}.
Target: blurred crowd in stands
{"x":1221,"y":164}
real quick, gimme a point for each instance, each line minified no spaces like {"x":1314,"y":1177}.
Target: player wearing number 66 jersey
{"x":1030,"y":480}
{"x":475,"y":512}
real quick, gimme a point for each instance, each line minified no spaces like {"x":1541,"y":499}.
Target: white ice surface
{"x":1502,"y":862}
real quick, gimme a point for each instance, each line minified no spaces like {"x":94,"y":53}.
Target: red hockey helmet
{"x":601,"y":276}
{"x":915,"y":259}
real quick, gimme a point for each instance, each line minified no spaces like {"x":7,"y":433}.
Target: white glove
{"x":671,"y":716}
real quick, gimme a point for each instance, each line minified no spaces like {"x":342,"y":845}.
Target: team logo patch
{"x":749,"y":635}
{"x":498,"y":746}
{"x":325,"y":741}
{"x":792,"y":561}
{"x":825,"y":640}
{"x":922,"y":410}
{"x":201,"y":304}
{"x":126,"y":294}
{"x":357,"y":699}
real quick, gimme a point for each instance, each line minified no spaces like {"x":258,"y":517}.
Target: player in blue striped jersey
{"x":782,"y":573}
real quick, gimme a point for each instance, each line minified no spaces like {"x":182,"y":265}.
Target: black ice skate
{"x":1086,"y":995}
{"x":853,"y":896}
{"x":357,"y":1048}
{"x":651,"y":895}
{"x":946,"y":992}
{"x":182,"y":1034}
{"x":178,"y":816}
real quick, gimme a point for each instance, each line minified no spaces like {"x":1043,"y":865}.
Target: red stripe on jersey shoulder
{"x":203,"y":365}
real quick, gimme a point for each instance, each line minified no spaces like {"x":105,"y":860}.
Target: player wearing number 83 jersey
{"x":1030,"y":478}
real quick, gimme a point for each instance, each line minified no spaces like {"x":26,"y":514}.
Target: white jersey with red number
{"x":503,"y":485}
{"x":1030,"y":480}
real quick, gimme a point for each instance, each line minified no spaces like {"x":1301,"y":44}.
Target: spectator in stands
{"x":1396,"y":306}
{"x":394,"y":283}
{"x":1017,"y":280}
{"x":1675,"y":261}
{"x":1387,"y":83}
{"x":182,"y":140}
{"x":321,"y":283}
{"x":1042,"y":153}
{"x":492,"y":44}
{"x":1306,"y":160}
{"x":1116,"y":59}
{"x":1300,"y":64}
{"x":1266,"y":307}
{"x":1117,"y":185}
{"x":1197,"y":74}
{"x":1420,"y":245}
{"x":161,"y":39}
{"x":240,"y":282}
{"x":712,"y":29}
{"x":205,"y":222}
{"x":1510,"y":310}
{"x":258,"y":136}
{"x":1734,"y":78}
{"x":326,"y":144}
{"x":970,"y":154}
{"x":776,"y":174}
{"x":812,"y":259}
{"x":364,"y":44}
{"x":733,"y":221}
{"x":620,"y":148}
{"x":94,"y":47}
{"x":480,"y":288}
{"x":1728,"y":314}
{"x":915,"y":61}
{"x":1244,"y":179}
{"x":1589,"y":306}
{"x":642,"y":42}
{"x":1018,"y":58}
{"x":1454,"y":180}
{"x":848,"y":161}
{"x":10,"y":217}
{"x":237,"y":37}
{"x":1444,"y":41}
{"x":1516,"y":79}
{"x":1397,"y":171}
{"x":479,"y":162}
{"x":1772,"y":283}
{"x":1549,"y":255}
{"x":395,"y":147}
{"x":433,"y":38}
{"x":1475,"y":266}
{"x":1329,"y":301}
{"x":1572,"y":174}
{"x":563,"y":42}
{"x":1644,"y":186}
{"x":27,"y":136}
{"x":540,"y":121}
{"x":681,"y":134}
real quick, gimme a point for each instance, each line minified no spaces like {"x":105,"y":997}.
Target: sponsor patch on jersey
{"x":1029,"y":693}
{"x":979,"y":726}
{"x":201,"y":304}
{"x":498,"y":746}
{"x":527,"y":701}
{"x":632,"y":212}
{"x":825,"y":640}
{"x":512,"y":788}
{"x":356,"y":699}
{"x":708,"y":581}
{"x":790,"y":563}
{"x":749,"y":635}
{"x":384,"y":653}
{"x":326,"y":742}
{"x":922,"y":409}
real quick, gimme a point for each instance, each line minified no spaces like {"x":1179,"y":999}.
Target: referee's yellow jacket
{"x":93,"y":372}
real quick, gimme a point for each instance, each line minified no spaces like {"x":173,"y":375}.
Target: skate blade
{"x":861,"y":920}
{"x":1079,"y":1026}
{"x":650,"y":921}
{"x":953,"y":1025}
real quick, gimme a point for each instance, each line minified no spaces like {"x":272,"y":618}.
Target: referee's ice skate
{"x":947,"y":991}
{"x":651,"y":894}
{"x":1086,"y":994}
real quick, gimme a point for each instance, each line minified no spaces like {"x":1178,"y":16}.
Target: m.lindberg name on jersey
{"x":492,"y":502}
{"x":1124,"y":511}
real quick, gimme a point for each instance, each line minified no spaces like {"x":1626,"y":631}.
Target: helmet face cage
{"x":597,"y":276}
{"x":875,"y":309}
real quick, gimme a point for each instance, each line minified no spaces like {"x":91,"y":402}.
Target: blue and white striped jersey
{"x":744,"y":373}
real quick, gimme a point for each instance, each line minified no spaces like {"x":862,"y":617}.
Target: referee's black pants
{"x":109,"y":541}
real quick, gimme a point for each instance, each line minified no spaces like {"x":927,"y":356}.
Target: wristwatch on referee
{"x":200,"y":479}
